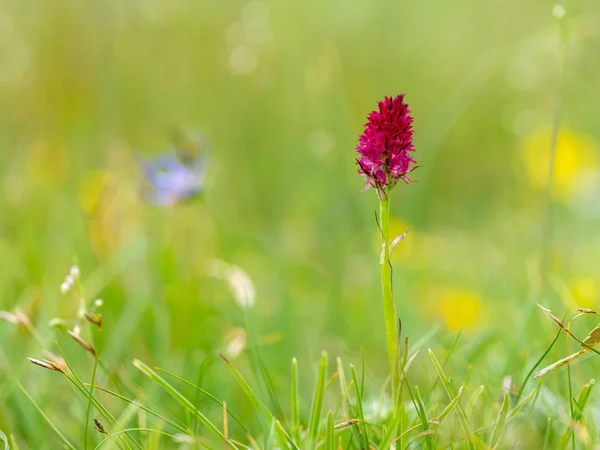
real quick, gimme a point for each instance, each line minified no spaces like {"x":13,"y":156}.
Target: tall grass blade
{"x":4,"y":439}
{"x":260,"y":371}
{"x":295,"y":413}
{"x":89,"y":403}
{"x":142,"y":407}
{"x":513,"y":412}
{"x":181,"y":399}
{"x":315,"y":415}
{"x":583,"y":398}
{"x":450,"y":391}
{"x":281,"y":431}
{"x":361,"y":416}
{"x":571,"y":428}
{"x":46,"y":418}
{"x":128,"y":430}
{"x":578,"y":407}
{"x":473,"y":400}
{"x":422,"y":411}
{"x":207,"y":394}
{"x":256,"y":402}
{"x":450,"y":406}
{"x":268,"y":419}
{"x":537,"y":363}
{"x":330,"y":442}
{"x":500,"y":422}
{"x":13,"y":443}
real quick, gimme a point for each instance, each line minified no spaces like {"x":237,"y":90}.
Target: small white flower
{"x":74,"y":272}
{"x":64,"y":288}
{"x":76,"y":330}
{"x":239,"y":282}
{"x":56,"y":322}
{"x":236,"y":342}
{"x":559,"y":11}
{"x":98,"y":303}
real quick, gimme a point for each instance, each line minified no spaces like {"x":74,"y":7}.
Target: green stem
{"x":389,"y":308}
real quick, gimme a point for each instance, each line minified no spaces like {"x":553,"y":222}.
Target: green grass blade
{"x":473,"y":400}
{"x":260,"y":370}
{"x":207,"y":394}
{"x":4,"y":439}
{"x":127,"y":430}
{"x":513,"y":412}
{"x":295,"y":413}
{"x":359,"y":406}
{"x":46,"y":418}
{"x":547,"y":433}
{"x":582,"y":399}
{"x":140,"y":406}
{"x":345,"y":392}
{"x":89,"y":402}
{"x":577,"y":410}
{"x":537,"y":363}
{"x":450,"y":406}
{"x":281,"y":431}
{"x":13,"y":442}
{"x":80,"y":386}
{"x":315,"y":415}
{"x":362,"y":372}
{"x":343,"y":385}
{"x":500,"y":422}
{"x":183,"y":401}
{"x":266,"y":415}
{"x":448,"y":387}
{"x":330,"y":443}
{"x":570,"y":429}
{"x":422,"y":411}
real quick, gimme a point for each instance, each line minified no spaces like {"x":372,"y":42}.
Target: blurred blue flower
{"x":175,"y":179}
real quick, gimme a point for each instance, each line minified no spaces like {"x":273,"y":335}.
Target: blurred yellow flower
{"x":46,"y":162}
{"x":111,"y":209}
{"x":575,"y":154}
{"x":584,"y":292}
{"x":460,"y":309}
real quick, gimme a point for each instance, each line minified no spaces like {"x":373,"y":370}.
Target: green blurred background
{"x":281,"y":91}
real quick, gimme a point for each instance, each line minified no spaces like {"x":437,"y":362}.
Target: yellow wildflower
{"x":460,"y":309}
{"x":46,"y":162}
{"x":575,"y":154}
{"x":584,"y":292}
{"x":110,"y":206}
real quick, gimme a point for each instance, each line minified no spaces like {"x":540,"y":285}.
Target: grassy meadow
{"x":278,"y":258}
